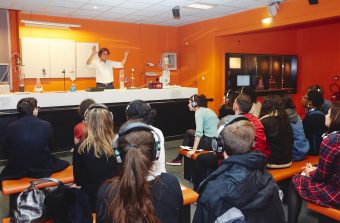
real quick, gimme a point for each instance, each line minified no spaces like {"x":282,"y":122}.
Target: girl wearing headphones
{"x":93,"y":158}
{"x":141,"y":111}
{"x":131,"y":196}
{"x":279,"y":133}
{"x":206,"y":127}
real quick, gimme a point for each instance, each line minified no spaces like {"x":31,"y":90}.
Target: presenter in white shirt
{"x":104,"y":72}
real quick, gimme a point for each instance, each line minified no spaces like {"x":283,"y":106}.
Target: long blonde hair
{"x":99,"y":126}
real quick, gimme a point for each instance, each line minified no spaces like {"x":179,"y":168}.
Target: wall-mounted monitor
{"x":267,"y":73}
{"x":243,"y":80}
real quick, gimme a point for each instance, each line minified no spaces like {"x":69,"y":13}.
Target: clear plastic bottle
{"x":121,"y":79}
{"x":73,"y":87}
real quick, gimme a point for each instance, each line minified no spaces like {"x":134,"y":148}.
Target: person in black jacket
{"x":133,"y":196}
{"x":314,"y":121}
{"x":279,"y":132}
{"x":93,"y":158}
{"x":27,"y":145}
{"x":240,"y":189}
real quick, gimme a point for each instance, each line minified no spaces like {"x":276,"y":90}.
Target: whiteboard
{"x":62,"y":57}
{"x":35,"y":55}
{"x":83,"y":52}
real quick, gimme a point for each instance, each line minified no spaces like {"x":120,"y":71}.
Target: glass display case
{"x":268,"y":74}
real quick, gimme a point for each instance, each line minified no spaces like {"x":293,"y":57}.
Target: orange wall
{"x":145,"y":43}
{"x":201,"y":46}
{"x":209,"y":41}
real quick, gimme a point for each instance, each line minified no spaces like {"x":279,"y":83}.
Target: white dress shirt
{"x":104,"y":73}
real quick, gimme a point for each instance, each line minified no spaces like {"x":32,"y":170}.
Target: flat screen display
{"x":243,"y":80}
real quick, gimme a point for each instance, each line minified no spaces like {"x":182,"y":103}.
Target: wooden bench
{"x":190,"y":162}
{"x":17,"y":186}
{"x":189,"y":197}
{"x":295,"y":168}
{"x":14,"y":187}
{"x":326,"y":214}
{"x":7,"y":220}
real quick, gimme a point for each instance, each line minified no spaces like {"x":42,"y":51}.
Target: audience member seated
{"x":133,"y":196}
{"x":27,"y":145}
{"x":93,"y":158}
{"x":320,"y":185}
{"x":278,"y":132}
{"x":301,"y":144}
{"x":210,"y":161}
{"x":256,"y":108}
{"x":79,"y":130}
{"x":227,"y":106}
{"x":240,"y":190}
{"x":140,"y":111}
{"x":242,"y":106}
{"x":206,"y":127}
{"x":325,"y":105}
{"x":314,"y":121}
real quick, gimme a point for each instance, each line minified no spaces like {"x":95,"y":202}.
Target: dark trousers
{"x":205,"y":164}
{"x":189,"y":138}
{"x":105,"y":85}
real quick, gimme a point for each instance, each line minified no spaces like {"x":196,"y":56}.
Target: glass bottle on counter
{"x":21,"y":80}
{"x":121,"y":79}
{"x":73,"y":78}
{"x":38,"y":88}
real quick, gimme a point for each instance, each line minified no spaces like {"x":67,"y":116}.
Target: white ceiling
{"x":133,"y":11}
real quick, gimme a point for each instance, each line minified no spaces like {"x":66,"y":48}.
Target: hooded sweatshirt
{"x":241,"y":184}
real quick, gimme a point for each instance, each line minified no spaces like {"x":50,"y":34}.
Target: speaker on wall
{"x":175,"y":12}
{"x":272,"y":9}
{"x":313,"y":2}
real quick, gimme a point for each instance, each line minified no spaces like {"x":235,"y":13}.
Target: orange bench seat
{"x":329,"y":212}
{"x":7,"y":220}
{"x":184,"y":152}
{"x":189,"y":195}
{"x":17,"y":186}
{"x":295,"y":168}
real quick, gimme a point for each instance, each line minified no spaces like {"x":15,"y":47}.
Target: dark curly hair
{"x":139,"y":109}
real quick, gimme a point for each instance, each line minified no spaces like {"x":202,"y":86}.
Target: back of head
{"x":139,"y":109}
{"x":99,"y":127}
{"x":316,"y":87}
{"x":288,"y":102}
{"x":273,"y":106}
{"x":225,"y":110}
{"x":238,"y":137}
{"x":200,"y":100}
{"x":230,"y":97}
{"x":130,"y":193}
{"x":84,"y":105}
{"x":26,"y":106}
{"x":250,"y":92}
{"x":315,"y":97}
{"x":335,"y":116}
{"x":244,"y":103}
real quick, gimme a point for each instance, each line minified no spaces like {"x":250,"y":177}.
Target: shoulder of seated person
{"x":103,"y":190}
{"x":167,"y":178}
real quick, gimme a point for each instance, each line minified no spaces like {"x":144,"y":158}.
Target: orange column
{"x":15,"y":47}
